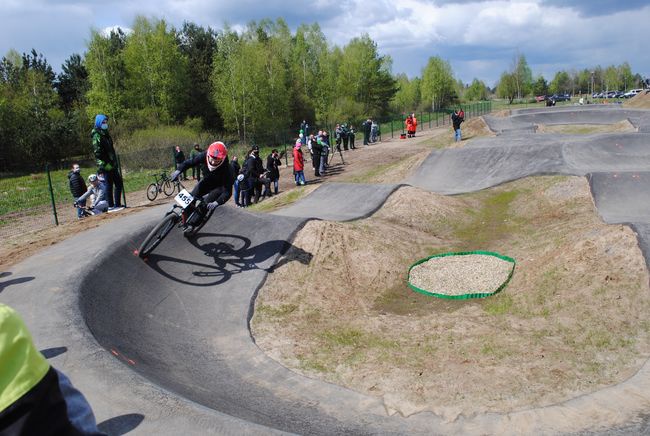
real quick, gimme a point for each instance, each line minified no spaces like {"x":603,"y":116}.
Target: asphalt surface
{"x":163,"y":346}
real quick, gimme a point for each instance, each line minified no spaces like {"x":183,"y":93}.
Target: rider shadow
{"x":228,"y":254}
{"x":17,"y":281}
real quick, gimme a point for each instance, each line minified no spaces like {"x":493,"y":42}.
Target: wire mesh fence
{"x":33,"y":202}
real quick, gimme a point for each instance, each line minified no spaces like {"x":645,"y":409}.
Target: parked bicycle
{"x":189,"y":214}
{"x":162,"y":184}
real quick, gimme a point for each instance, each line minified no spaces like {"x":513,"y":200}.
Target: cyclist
{"x":215,"y":187}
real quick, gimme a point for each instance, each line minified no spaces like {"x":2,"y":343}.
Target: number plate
{"x":184,"y":198}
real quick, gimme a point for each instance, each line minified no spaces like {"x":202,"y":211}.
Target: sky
{"x":480,"y":39}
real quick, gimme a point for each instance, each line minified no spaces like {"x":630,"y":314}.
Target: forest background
{"x":163,"y":86}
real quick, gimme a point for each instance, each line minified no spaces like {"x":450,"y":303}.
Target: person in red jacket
{"x":298,"y":164}
{"x":414,"y":125}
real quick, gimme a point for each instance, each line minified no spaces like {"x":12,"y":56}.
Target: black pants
{"x":208,"y":193}
{"x":345,"y":143}
{"x":114,"y":196}
{"x":316,"y":159}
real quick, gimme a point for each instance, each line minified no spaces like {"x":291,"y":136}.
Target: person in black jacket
{"x":457,"y":118}
{"x":273,"y":163}
{"x":255,"y":175}
{"x":179,"y":158}
{"x":216,"y":185}
{"x":77,"y":188}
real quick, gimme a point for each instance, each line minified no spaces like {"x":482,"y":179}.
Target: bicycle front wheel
{"x":168,"y":188}
{"x":158,"y":233}
{"x":152,"y":192}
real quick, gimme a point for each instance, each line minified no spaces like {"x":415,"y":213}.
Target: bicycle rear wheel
{"x":168,"y":188}
{"x":152,"y":192}
{"x":158,"y":233}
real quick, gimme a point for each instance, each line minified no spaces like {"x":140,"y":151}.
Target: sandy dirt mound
{"x":639,"y":101}
{"x":573,"y":319}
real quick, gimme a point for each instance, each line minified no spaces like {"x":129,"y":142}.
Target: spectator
{"x":254,"y":173}
{"x":179,"y":158}
{"x":35,"y":398}
{"x":196,"y":171}
{"x":316,"y":150}
{"x":409,"y":126}
{"x":457,"y":118}
{"x":97,"y":190}
{"x":374,"y":132}
{"x":415,"y":124}
{"x":367,"y":126}
{"x":351,"y":133}
{"x":107,"y":161}
{"x":273,"y":168}
{"x":304,"y":128}
{"x":234,"y":170}
{"x":324,"y":153}
{"x":338,"y":137}
{"x":298,"y":164}
{"x":345,"y":136}
{"x":77,"y":188}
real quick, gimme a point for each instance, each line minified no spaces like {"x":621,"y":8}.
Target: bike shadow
{"x":226,"y":255}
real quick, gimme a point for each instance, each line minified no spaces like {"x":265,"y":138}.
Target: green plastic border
{"x":462,"y":296}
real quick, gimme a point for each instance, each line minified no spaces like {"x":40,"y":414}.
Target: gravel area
{"x":461,"y":274}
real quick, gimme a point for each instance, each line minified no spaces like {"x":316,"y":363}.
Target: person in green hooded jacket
{"x":107,"y":161}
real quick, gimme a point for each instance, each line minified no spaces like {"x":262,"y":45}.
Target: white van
{"x":631,"y":93}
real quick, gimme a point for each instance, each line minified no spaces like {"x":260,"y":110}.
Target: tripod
{"x":338,"y":148}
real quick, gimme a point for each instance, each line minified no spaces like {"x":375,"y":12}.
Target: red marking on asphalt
{"x":115,"y":352}
{"x":615,"y":175}
{"x":635,"y":176}
{"x":135,"y":252}
{"x":130,"y":361}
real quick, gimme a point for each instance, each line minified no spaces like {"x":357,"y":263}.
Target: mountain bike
{"x":188,"y":214}
{"x":162,"y":184}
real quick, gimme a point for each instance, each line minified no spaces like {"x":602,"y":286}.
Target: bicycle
{"x":162,"y":184}
{"x":189,"y":214}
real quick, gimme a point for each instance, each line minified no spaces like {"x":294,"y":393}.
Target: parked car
{"x":560,"y":97}
{"x":540,"y":98}
{"x":631,"y":93}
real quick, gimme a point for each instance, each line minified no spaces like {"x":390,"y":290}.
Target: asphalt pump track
{"x":163,"y":346}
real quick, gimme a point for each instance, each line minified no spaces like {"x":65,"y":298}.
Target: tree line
{"x":518,"y":82}
{"x":251,"y":86}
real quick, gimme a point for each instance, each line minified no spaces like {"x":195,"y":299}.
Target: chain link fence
{"x":37,"y":201}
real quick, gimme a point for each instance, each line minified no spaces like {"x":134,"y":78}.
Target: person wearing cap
{"x":107,"y":161}
{"x":77,"y":187}
{"x":215,"y":188}
{"x":35,"y":398}
{"x":95,"y":188}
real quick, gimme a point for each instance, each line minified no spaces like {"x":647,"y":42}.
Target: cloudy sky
{"x":478,"y":38}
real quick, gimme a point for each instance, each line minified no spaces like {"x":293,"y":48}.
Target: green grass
{"x":279,"y":201}
{"x":489,"y":222}
{"x":32,"y":191}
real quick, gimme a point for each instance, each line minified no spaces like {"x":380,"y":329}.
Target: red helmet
{"x":217,"y":153}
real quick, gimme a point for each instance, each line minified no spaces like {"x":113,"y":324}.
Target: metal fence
{"x":38,"y":201}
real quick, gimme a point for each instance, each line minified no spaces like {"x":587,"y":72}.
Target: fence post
{"x":391,"y":128}
{"x":119,"y":170}
{"x":49,"y":184}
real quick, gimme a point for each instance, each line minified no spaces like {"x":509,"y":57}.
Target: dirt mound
{"x":640,"y":101}
{"x":572,"y":320}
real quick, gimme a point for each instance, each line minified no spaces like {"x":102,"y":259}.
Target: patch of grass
{"x":32,"y":191}
{"x":279,"y":201}
{"x":311,"y":364}
{"x":350,"y":337}
{"x":276,"y":311}
{"x":500,"y":304}
{"x":490,"y":222}
{"x":374,"y":173}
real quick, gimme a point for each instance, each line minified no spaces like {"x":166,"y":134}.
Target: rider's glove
{"x":175,"y":175}
{"x":213,"y":205}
